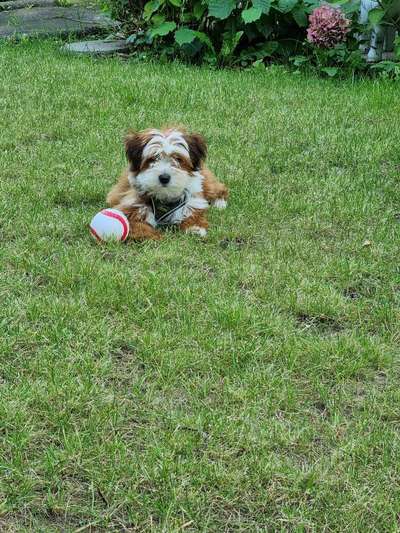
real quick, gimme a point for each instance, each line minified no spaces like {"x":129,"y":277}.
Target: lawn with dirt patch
{"x":244,"y":382}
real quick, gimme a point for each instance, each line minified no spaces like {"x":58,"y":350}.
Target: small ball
{"x":109,"y":225}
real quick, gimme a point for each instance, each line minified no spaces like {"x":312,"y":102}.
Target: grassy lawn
{"x":247,"y":382}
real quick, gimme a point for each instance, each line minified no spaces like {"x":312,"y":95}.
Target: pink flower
{"x":328,"y":27}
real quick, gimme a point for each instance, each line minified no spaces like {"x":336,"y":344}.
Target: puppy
{"x":166,"y":183}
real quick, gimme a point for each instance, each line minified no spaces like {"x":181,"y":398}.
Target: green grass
{"x":247,"y":382}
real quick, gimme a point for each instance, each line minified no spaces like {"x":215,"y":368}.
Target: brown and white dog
{"x":166,"y":183}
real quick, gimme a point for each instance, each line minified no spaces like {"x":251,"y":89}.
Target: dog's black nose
{"x":164,"y":178}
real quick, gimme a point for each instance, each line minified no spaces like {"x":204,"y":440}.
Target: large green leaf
{"x":156,"y":20}
{"x":285,"y":6}
{"x":185,"y":36}
{"x":150,"y":8}
{"x":376,"y":15}
{"x":204,"y":38}
{"x":163,"y":29}
{"x":176,"y":3}
{"x":264,"y":5}
{"x":230,"y":42}
{"x":300,"y":16}
{"x":221,"y":9}
{"x":299,"y":61}
{"x":198,"y":10}
{"x":331,"y":71}
{"x":192,"y":49}
{"x":251,"y":15}
{"x":264,"y":28}
{"x":349,"y":8}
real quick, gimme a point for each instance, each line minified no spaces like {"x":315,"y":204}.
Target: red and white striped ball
{"x":109,"y":225}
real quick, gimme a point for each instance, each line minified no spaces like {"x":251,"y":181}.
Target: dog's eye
{"x":179,"y":160}
{"x":151,"y":160}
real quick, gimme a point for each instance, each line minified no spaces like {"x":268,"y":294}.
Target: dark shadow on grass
{"x":77,"y":199}
{"x":234,"y":242}
{"x":321,"y":324}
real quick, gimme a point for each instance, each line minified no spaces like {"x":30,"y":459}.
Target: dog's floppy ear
{"x":134,"y":145}
{"x":197,"y":149}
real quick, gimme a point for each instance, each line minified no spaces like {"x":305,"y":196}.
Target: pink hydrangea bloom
{"x":328,"y":27}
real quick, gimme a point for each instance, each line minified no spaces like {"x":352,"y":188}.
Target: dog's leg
{"x":196,"y":223}
{"x":143,"y":232}
{"x":214,"y":192}
{"x":139,"y":229}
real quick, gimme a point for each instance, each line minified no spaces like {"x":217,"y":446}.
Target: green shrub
{"x":238,"y":32}
{"x":128,"y":11}
{"x":222,"y":32}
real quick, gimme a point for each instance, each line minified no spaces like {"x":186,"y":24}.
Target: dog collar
{"x":162,"y":211}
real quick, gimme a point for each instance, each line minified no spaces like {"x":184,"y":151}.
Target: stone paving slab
{"x":96,"y":47}
{"x":57,"y":21}
{"x":19,"y":4}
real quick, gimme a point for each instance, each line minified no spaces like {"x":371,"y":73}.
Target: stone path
{"x":47,"y":19}
{"x":19,"y":4}
{"x":97,"y":47}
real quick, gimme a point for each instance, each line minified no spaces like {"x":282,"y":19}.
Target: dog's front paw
{"x":197,"y":230}
{"x":220,"y":203}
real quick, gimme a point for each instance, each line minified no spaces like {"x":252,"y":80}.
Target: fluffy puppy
{"x":166,"y":183}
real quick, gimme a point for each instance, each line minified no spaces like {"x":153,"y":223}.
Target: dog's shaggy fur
{"x":166,"y":174}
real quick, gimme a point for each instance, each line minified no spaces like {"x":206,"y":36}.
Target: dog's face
{"x":163,"y":164}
